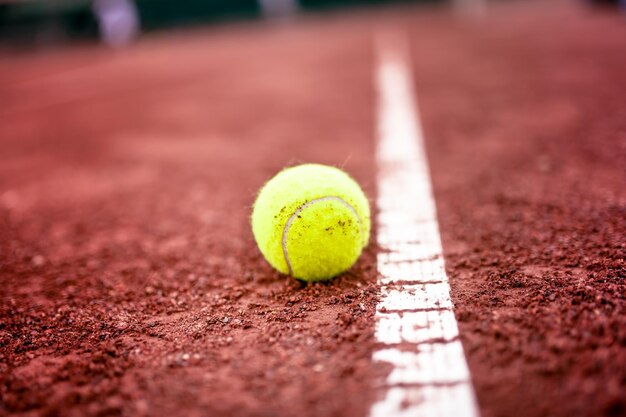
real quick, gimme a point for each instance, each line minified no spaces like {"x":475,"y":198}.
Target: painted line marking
{"x":451,"y":401}
{"x":416,"y":327}
{"x":470,"y":9}
{"x":429,"y":296}
{"x":415,"y":322}
{"x":435,"y":363}
{"x":410,"y":271}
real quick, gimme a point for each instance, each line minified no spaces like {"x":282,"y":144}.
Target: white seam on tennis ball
{"x":299,"y":210}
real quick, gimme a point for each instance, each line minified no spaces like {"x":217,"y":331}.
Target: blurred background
{"x":37,"y":23}
{"x":44,"y":23}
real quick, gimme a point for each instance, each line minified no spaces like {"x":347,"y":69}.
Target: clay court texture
{"x":130,"y":280}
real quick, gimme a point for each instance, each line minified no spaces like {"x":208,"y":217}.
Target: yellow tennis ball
{"x":311,"y":221}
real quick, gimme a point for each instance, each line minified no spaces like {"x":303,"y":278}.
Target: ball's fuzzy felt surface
{"x":311,"y":221}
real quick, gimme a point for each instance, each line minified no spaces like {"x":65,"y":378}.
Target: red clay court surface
{"x":131,"y":284}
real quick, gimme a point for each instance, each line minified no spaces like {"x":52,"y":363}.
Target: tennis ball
{"x":311,"y":221}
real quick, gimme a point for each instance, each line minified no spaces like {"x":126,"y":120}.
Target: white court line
{"x":472,"y":9}
{"x":415,"y":321}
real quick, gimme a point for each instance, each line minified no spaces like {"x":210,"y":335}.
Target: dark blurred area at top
{"x":37,"y":23}
{"x":25,"y":24}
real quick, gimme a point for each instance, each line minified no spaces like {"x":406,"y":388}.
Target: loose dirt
{"x":526,"y":133}
{"x":131,"y":283}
